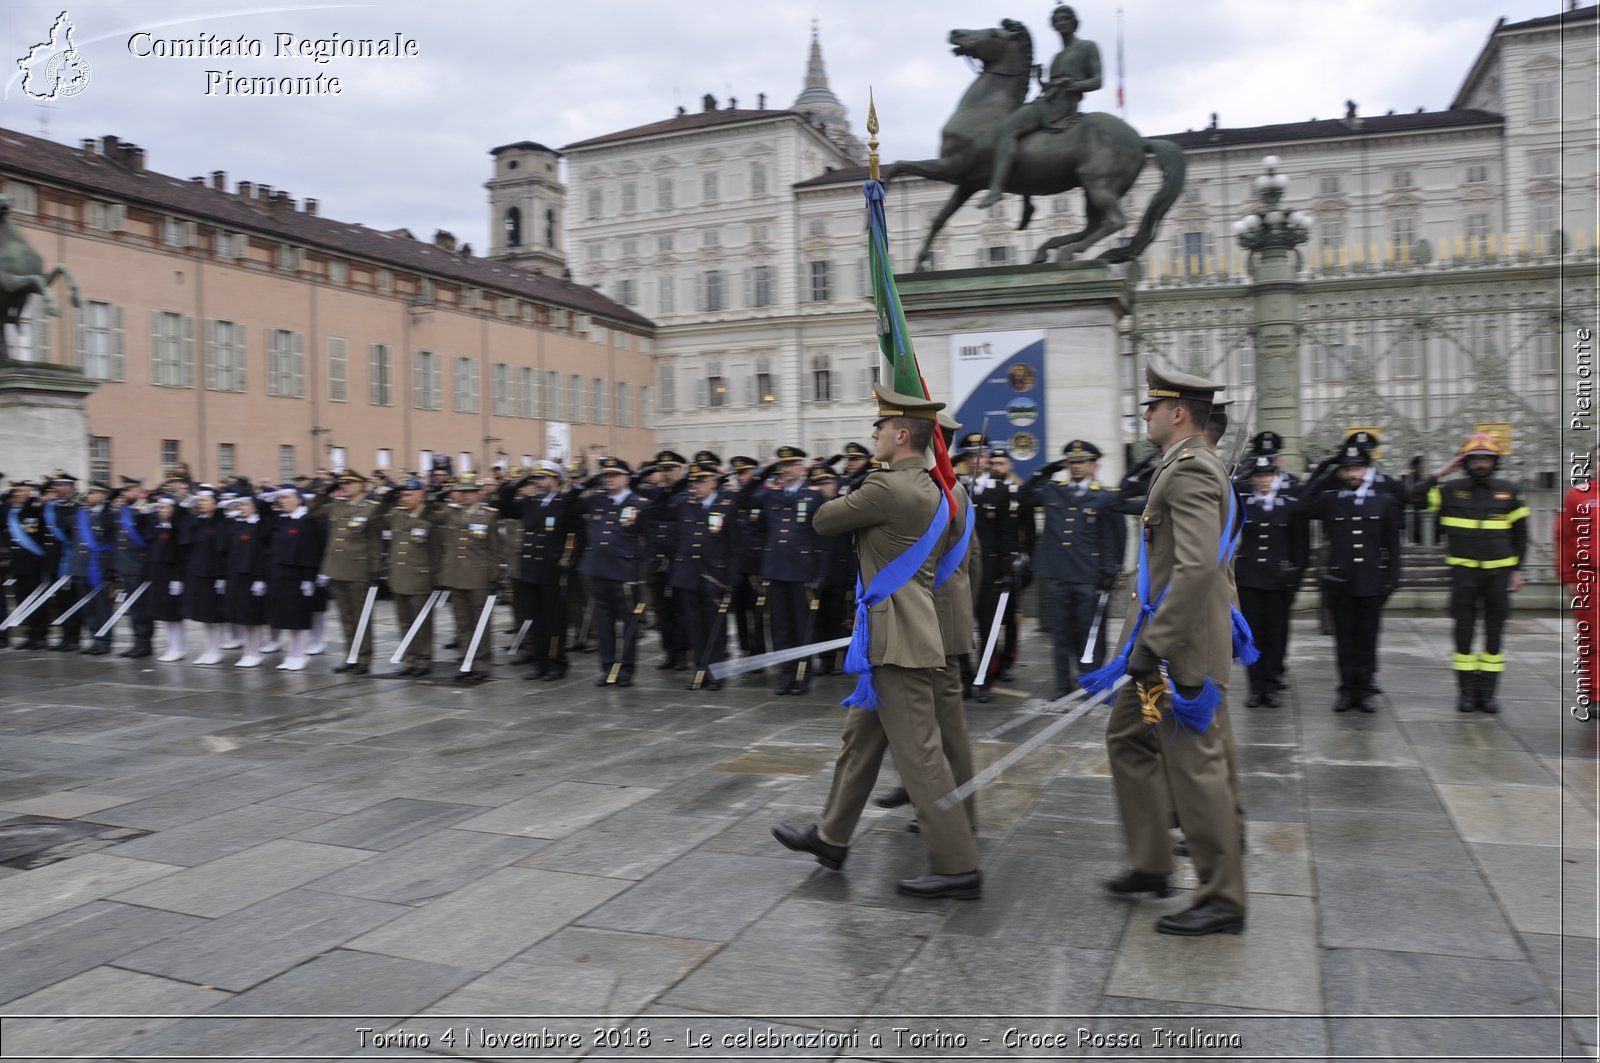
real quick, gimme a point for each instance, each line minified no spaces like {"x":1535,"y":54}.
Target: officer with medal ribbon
{"x":60,"y":529}
{"x":749,"y":604}
{"x":900,"y":518}
{"x":350,"y":563}
{"x":92,"y":574}
{"x":700,"y":525}
{"x":27,"y":558}
{"x":469,"y":568}
{"x":1273,"y":553}
{"x":1177,"y":645}
{"x":612,"y":560}
{"x":130,"y":560}
{"x":549,"y":520}
{"x":788,"y":568}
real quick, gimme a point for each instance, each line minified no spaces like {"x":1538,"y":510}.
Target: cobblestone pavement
{"x":263,"y":864}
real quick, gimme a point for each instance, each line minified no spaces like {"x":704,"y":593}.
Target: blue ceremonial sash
{"x":20,"y":537}
{"x":60,"y":536}
{"x":87,"y":540}
{"x":952,"y":561}
{"x":896,"y":574}
{"x":130,"y":527}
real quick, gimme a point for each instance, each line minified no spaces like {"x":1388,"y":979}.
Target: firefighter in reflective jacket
{"x":1486,"y":522}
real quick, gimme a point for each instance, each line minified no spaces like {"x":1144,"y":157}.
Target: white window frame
{"x":100,"y":350}
{"x":380,"y":375}
{"x":286,"y":366}
{"x":226,"y":356}
{"x":338,"y":369}
{"x":171,"y":349}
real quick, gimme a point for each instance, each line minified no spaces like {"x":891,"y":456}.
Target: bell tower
{"x":526,"y":205}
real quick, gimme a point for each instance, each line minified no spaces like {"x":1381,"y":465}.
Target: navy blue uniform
{"x":244,"y":565}
{"x":789,"y":562}
{"x":167,"y":556}
{"x":1005,"y":529}
{"x":1362,"y":568}
{"x":92,"y":570}
{"x":550,"y":526}
{"x":612,"y":559}
{"x":131,"y":561}
{"x":1273,"y":552}
{"x":704,"y":537}
{"x":294,"y":556}
{"x":749,"y":603}
{"x":203,"y":567}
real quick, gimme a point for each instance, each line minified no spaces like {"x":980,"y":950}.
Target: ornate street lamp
{"x":1272,"y":235}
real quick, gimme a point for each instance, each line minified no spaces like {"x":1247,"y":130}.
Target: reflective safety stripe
{"x":1491,"y":662}
{"x":1463,"y":662}
{"x":1467,"y":562}
{"x":1517,"y":514}
{"x":1485,"y":525}
{"x":1435,"y":499}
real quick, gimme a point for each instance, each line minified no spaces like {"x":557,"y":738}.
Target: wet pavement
{"x":257,"y":864}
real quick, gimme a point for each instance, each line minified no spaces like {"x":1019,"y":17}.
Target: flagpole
{"x":1122,"y":97}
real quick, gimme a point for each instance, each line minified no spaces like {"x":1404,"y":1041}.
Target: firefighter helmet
{"x":1480,"y":444}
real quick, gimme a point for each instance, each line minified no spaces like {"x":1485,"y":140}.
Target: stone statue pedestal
{"x":1076,"y":304}
{"x":43,"y":425}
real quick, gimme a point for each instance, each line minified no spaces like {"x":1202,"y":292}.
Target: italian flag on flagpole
{"x":894,"y":338}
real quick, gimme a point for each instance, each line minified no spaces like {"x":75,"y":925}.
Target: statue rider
{"x":1074,"y":71}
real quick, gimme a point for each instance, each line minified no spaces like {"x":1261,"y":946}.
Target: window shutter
{"x":700,"y":291}
{"x":702,"y":393}
{"x":77,"y":330}
{"x":808,"y":386}
{"x":213,"y":328}
{"x":296,"y":346}
{"x":187,"y":351}
{"x":119,"y":214}
{"x":239,"y":333}
{"x":115,"y":369}
{"x":750,"y":390}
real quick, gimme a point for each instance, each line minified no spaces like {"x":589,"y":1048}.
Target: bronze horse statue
{"x":22,"y":275}
{"x":1097,"y":152}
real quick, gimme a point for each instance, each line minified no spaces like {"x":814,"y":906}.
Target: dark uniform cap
{"x":61,"y":476}
{"x":821,"y":474}
{"x":412,"y":484}
{"x":612,"y":464}
{"x":998,"y":451}
{"x":166,"y":500}
{"x":741,"y":463}
{"x":670,"y":457}
{"x":1354,"y":454}
{"x":1261,"y":463}
{"x":23,"y":483}
{"x":894,"y":404}
{"x":1170,"y":384}
{"x":1080,"y":450}
{"x":1363,"y":439}
{"x":787,"y":454}
{"x":131,"y":481}
{"x":97,"y":485}
{"x":706,"y":457}
{"x":856,"y":450}
{"x":974,"y":441}
{"x":1266,"y":443}
{"x":701,"y":470}
{"x":350,"y":476}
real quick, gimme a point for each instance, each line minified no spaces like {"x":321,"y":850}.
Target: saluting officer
{"x":1486,"y":523}
{"x":92,"y":571}
{"x":416,"y":549}
{"x":295,"y":547}
{"x":613,"y":560}
{"x":1005,"y":536}
{"x":60,"y":519}
{"x":857,"y":459}
{"x":549,"y":540}
{"x":788,"y":568}
{"x":663,"y":476}
{"x":350,"y":563}
{"x":27,"y":557}
{"x":131,"y":562}
{"x":1361,"y":521}
{"x":836,"y":576}
{"x":469,"y":567}
{"x":702,"y":525}
{"x":244,"y":562}
{"x":1273,"y":551}
{"x":749,"y":604}
{"x":1080,"y":553}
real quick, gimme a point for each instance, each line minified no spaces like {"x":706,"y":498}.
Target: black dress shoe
{"x":1364,"y":703}
{"x":471,"y":677}
{"x":65,"y":647}
{"x":831,"y":857}
{"x":1270,"y":700}
{"x":624,"y":680}
{"x":126,"y":653}
{"x":783,"y":688}
{"x":1006,"y":675}
{"x":1205,"y":918}
{"x":453,"y":644}
{"x":1253,"y":701}
{"x":984,"y":697}
{"x":712,"y":684}
{"x":800,"y":689}
{"x":141,"y":651}
{"x":895,"y":798}
{"x":97,"y":651}
{"x":362,"y":669}
{"x":558,"y":671}
{"x":667,"y":665}
{"x":912,"y":826}
{"x":1131,"y":882}
{"x":603,"y":681}
{"x":967,"y":886}
{"x":680,"y":666}
{"x":1344,"y":702}
{"x":418,"y":673}
{"x":344,"y":667}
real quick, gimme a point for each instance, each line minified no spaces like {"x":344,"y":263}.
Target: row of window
{"x":516,"y":389}
{"x":717,"y":387}
{"x":716,"y":289}
{"x":630,"y":200}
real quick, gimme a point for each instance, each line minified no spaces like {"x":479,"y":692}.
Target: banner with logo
{"x":997,"y":387}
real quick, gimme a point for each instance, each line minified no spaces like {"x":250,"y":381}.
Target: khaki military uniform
{"x":350,"y":561}
{"x":888,"y":512}
{"x":415,"y":549}
{"x":953,"y":601}
{"x":469,"y":568}
{"x":1166,"y":767}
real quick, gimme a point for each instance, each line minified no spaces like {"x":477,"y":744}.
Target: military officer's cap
{"x":350,"y":476}
{"x":545,"y":468}
{"x":1080,"y":450}
{"x":702,"y":470}
{"x":131,"y":481}
{"x":412,"y":484}
{"x":787,"y":454}
{"x":23,"y":483}
{"x":1354,"y":454}
{"x":669,"y":458}
{"x":1268,"y":443}
{"x":466,"y":481}
{"x":1260,"y":463}
{"x":706,"y":457}
{"x":998,"y":451}
{"x":821,"y":474}
{"x":61,"y":476}
{"x":174,"y":474}
{"x":1363,"y":439}
{"x":741,"y":463}
{"x":98,"y":485}
{"x":612,"y":464}
{"x":166,"y":500}
{"x":856,"y":450}
{"x":946,"y":422}
{"x":974,"y":441}
{"x":1171,"y":384}
{"x":894,"y":404}
{"x":517,"y":472}
{"x":206,"y":489}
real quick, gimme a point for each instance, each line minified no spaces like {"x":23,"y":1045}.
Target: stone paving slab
{"x":64,"y":804}
{"x":239,"y":880}
{"x":428,"y":868}
{"x":557,"y":811}
{"x":58,"y":887}
{"x":48,"y":950}
{"x":100,"y":991}
{"x":204,"y":840}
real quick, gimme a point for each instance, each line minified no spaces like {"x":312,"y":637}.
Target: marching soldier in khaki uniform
{"x":350,"y":561}
{"x":896,"y":516}
{"x":1181,"y":637}
{"x":469,"y":566}
{"x":415,"y":549}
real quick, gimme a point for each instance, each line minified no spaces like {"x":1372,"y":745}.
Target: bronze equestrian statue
{"x":1044,"y":148}
{"x":22,"y":276}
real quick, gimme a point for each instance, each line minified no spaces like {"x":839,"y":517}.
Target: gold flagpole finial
{"x":872,"y":128}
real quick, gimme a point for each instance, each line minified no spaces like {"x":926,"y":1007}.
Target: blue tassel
{"x":1244,"y":644}
{"x":1197,"y":713}
{"x":1099,"y":681}
{"x":865,"y":695}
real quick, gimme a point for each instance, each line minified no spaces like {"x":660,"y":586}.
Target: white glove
{"x":258,"y":588}
{"x":322,"y":581}
{"x":305,"y":587}
{"x":174,"y":588}
{"x":220,"y":585}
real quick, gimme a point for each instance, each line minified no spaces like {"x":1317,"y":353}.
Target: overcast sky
{"x":406,"y":142}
